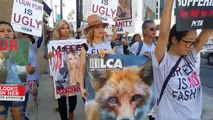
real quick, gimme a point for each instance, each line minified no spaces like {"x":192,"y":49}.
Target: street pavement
{"x":206,"y":74}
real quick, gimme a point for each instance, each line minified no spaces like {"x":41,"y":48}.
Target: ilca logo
{"x":96,"y":64}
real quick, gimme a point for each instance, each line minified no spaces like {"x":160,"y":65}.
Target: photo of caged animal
{"x":3,"y":67}
{"x":121,"y":92}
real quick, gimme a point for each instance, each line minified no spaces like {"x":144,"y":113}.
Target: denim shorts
{"x":7,"y":104}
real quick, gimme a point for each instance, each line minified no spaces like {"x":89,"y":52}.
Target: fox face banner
{"x":13,"y":61}
{"x":118,"y":86}
{"x":64,"y":66}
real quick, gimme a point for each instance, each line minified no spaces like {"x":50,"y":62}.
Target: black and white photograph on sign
{"x":194,"y":15}
{"x":124,"y":9}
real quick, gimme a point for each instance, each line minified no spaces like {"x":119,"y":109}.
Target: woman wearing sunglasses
{"x":148,"y":45}
{"x":182,"y":97}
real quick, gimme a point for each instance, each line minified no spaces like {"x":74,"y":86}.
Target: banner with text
{"x":125,"y":16}
{"x":106,"y":9}
{"x":194,"y":14}
{"x":27,"y":17}
{"x":118,"y":85}
{"x":13,"y":61}
{"x":64,"y":66}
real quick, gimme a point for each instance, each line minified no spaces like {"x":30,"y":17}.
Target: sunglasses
{"x":188,"y":44}
{"x":152,"y":29}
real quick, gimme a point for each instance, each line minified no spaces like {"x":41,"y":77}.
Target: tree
{"x":70,"y":16}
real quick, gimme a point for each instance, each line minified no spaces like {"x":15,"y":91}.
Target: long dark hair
{"x":32,"y":39}
{"x":7,"y":23}
{"x":174,"y":33}
{"x":133,"y":39}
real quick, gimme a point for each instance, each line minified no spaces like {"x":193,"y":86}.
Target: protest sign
{"x":118,"y":85}
{"x":27,"y":17}
{"x":125,"y":16}
{"x":13,"y":61}
{"x":106,"y":9}
{"x":148,"y":9}
{"x":64,"y":66}
{"x":86,"y":8}
{"x":194,"y":14}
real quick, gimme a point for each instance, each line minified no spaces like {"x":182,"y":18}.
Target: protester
{"x":147,"y":46}
{"x":32,"y":80}
{"x":120,"y":44}
{"x":95,"y":45}
{"x":135,"y":38}
{"x":182,"y":97}
{"x":17,"y":107}
{"x":79,"y":33}
{"x":62,"y":31}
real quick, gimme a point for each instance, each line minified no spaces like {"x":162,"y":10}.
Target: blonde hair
{"x":72,"y":53}
{"x":90,"y":36}
{"x":58,"y":26}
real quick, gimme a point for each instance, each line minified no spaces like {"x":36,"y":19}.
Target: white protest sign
{"x":106,"y":9}
{"x":27,"y":17}
{"x":65,"y":65}
{"x":86,"y":8}
{"x":125,"y":16}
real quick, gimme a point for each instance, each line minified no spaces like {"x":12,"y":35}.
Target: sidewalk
{"x":207,"y":103}
{"x":47,"y":104}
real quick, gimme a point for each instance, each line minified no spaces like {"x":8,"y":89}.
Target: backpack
{"x":140,"y":47}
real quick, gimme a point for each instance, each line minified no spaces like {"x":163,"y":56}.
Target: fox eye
{"x":137,"y":97}
{"x":112,"y":101}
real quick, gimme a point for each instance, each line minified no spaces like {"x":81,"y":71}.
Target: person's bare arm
{"x":114,"y":33}
{"x":203,"y":39}
{"x":164,"y":31}
{"x":82,"y":72}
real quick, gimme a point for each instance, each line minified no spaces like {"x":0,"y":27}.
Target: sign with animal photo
{"x":106,"y":9}
{"x":149,"y":9}
{"x":194,"y":14}
{"x":27,"y":17}
{"x":13,"y":61}
{"x":118,"y":86}
{"x":125,"y":16}
{"x":64,"y":66}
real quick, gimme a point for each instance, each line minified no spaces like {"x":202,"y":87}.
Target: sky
{"x":68,"y":5}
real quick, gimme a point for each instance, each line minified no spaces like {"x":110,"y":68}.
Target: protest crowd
{"x":119,"y":73}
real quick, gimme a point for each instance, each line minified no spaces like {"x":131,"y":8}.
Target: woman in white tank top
{"x":95,"y":45}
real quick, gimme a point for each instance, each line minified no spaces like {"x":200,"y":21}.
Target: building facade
{"x":6,"y":7}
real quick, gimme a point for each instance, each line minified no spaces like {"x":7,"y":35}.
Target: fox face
{"x":123,"y":91}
